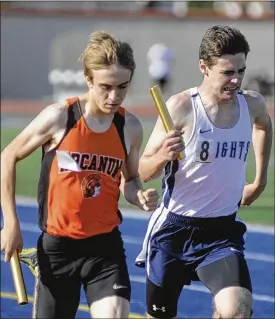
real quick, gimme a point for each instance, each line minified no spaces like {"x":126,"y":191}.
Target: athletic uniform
{"x":78,"y":194}
{"x":194,"y":233}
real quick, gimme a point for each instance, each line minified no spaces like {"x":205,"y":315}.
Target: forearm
{"x":262,"y":143}
{"x":151,"y":167}
{"x":8,"y":189}
{"x":131,"y":189}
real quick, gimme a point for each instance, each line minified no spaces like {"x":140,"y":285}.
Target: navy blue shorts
{"x":192,"y":243}
{"x":187,"y":249}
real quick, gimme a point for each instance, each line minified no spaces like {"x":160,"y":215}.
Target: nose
{"x":113,"y":96}
{"x":234,"y":80}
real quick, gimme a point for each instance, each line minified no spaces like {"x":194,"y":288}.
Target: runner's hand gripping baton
{"x":18,"y":280}
{"x":163,"y":111}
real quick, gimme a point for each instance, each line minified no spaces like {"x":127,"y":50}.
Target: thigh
{"x":56,"y":299}
{"x":231,"y":271}
{"x":57,"y":289}
{"x":110,"y":307}
{"x":162,"y":301}
{"x":107,"y":274}
{"x":166,"y":277}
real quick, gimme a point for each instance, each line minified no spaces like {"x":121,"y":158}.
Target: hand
{"x":148,"y":199}
{"x":250,"y":193}
{"x":172,"y":145}
{"x":11,"y":240}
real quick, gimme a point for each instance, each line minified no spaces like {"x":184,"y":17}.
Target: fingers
{"x":141,"y":197}
{"x":8,"y":255}
{"x":151,"y":196}
{"x":173,"y":141}
{"x":174,"y":133}
{"x":8,"y":251}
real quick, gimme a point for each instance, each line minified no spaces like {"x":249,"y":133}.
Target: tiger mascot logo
{"x":91,"y":185}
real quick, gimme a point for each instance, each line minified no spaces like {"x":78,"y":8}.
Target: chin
{"x":228,"y":97}
{"x":110,"y":110}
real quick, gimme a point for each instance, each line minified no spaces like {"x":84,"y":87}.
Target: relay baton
{"x":163,"y":111}
{"x":18,"y":280}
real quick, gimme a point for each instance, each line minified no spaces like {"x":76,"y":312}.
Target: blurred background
{"x":41,"y":43}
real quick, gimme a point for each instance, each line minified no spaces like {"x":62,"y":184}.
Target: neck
{"x":90,"y":108}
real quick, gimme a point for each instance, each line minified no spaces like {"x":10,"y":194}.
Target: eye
{"x":122,"y":87}
{"x":105,"y":87}
{"x":228,"y":73}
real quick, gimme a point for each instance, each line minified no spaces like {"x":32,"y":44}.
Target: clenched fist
{"x":148,"y":199}
{"x":11,"y":239}
{"x":172,"y":145}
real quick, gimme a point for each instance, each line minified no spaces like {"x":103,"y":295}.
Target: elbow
{"x":142,"y":171}
{"x":8,"y":159}
{"x":145,"y":178}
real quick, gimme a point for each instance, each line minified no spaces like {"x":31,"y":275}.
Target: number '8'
{"x":204,"y":154}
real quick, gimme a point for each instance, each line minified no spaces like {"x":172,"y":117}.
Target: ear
{"x":89,"y":82}
{"x":203,"y":68}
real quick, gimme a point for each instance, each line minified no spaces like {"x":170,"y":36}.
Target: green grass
{"x":262,"y":211}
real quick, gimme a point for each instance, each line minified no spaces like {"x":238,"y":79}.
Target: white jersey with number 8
{"x":209,"y":182}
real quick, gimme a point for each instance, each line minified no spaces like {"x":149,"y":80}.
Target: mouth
{"x":230,"y":89}
{"x":111,"y":106}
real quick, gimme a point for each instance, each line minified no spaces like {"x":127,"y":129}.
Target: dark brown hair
{"x":220,"y":40}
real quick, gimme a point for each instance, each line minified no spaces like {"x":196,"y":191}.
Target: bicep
{"x":261,"y":115}
{"x":155,"y":140}
{"x":134,"y":132}
{"x":36,"y":134}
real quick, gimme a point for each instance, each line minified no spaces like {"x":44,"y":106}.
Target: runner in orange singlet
{"x":90,"y":153}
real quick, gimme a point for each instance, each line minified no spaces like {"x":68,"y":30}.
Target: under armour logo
{"x":155,"y":308}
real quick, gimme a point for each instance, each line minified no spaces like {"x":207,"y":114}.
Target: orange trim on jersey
{"x":71,"y":101}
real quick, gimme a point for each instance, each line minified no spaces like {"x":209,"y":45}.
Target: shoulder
{"x":133,"y":127}
{"x":255,"y":101}
{"x":180,"y":106}
{"x":132,"y":122}
{"x":253,"y":97}
{"x":52,"y":118}
{"x":179,"y":100}
{"x":58,"y":111}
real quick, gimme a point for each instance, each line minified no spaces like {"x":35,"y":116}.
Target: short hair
{"x":220,"y":40}
{"x":104,"y":50}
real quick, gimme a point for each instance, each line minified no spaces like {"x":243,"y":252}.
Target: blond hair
{"x":104,"y":50}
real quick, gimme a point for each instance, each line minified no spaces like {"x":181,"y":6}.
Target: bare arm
{"x":262,"y":142}
{"x":152,"y":161}
{"x":262,"y":139}
{"x":163,"y":147}
{"x":37,"y":133}
{"x":131,"y":186}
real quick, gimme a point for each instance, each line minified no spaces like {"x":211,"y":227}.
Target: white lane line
{"x":30,"y":227}
{"x":194,"y":287}
{"x":199,"y":288}
{"x":141,"y":215}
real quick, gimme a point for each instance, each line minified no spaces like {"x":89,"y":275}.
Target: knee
{"x":246,"y":314}
{"x":237,"y":305}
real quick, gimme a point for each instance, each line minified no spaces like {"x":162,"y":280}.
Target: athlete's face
{"x":109,"y":87}
{"x":225,"y":77}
